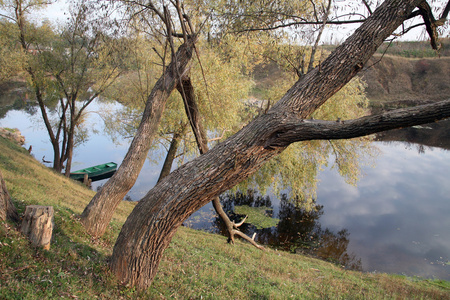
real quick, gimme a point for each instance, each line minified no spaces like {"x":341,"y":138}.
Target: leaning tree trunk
{"x":153,"y":222}
{"x":186,"y":90}
{"x":97,"y":215}
{"x":7,"y":209}
{"x":171,"y":153}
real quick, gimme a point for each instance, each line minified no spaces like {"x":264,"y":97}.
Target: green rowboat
{"x":95,"y":173}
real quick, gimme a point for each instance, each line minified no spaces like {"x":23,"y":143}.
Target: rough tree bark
{"x":97,"y":215}
{"x":37,"y":225}
{"x":186,"y":90}
{"x":7,"y":209}
{"x":152,"y":224}
{"x":171,"y":153}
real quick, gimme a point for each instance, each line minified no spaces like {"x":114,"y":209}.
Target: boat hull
{"x":95,"y":173}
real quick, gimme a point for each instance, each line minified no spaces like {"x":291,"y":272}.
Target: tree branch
{"x":367,"y":6}
{"x":295,"y":130}
{"x":149,"y":6}
{"x":248,"y":239}
{"x":319,"y":35}
{"x":431,"y":24}
{"x":8,"y":17}
{"x":236,"y":225}
{"x":300,"y":23}
{"x":445,"y":12}
{"x":180,"y":16}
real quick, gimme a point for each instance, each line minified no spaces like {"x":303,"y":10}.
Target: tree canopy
{"x":66,"y":68}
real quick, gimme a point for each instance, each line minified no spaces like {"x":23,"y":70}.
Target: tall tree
{"x":213,"y":73}
{"x":68,"y":70}
{"x":97,"y":215}
{"x":152,"y":224}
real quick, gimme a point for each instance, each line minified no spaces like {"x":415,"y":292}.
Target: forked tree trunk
{"x":153,"y":222}
{"x":97,"y":215}
{"x":7,"y":209}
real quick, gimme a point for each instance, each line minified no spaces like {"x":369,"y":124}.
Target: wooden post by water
{"x":37,"y":224}
{"x":86,"y":180}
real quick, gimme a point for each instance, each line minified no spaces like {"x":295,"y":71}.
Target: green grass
{"x":196,"y":265}
{"x":415,"y":49}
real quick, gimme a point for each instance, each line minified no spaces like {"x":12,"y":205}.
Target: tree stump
{"x":37,"y":224}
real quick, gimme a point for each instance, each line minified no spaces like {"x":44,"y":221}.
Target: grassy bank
{"x":196,"y":264}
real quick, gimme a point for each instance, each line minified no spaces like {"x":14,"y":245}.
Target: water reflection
{"x":395,"y":220}
{"x":14,"y":96}
{"x":422,"y":137}
{"x":298,"y":229}
{"x":398,"y":213}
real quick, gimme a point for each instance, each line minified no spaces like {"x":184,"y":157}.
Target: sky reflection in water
{"x":397,"y":218}
{"x":398,"y":215}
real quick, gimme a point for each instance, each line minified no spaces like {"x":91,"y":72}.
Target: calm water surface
{"x":398,"y":215}
{"x":396,"y":220}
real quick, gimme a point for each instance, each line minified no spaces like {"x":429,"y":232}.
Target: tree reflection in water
{"x":298,"y":230}
{"x":15,"y":96}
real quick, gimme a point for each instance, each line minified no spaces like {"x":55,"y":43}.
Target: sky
{"x":333,"y":35}
{"x":55,"y":12}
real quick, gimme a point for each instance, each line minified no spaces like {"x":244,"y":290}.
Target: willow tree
{"x":295,"y":170}
{"x":213,"y":69}
{"x":66,"y":69}
{"x":219,"y":63}
{"x":210,"y":73}
{"x":98,"y":213}
{"x":152,"y":224}
{"x":297,"y":167}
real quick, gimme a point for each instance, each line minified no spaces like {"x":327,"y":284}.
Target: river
{"x":395,"y":220}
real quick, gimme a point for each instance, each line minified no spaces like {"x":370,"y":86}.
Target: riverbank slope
{"x":195,"y":265}
{"x":395,"y":81}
